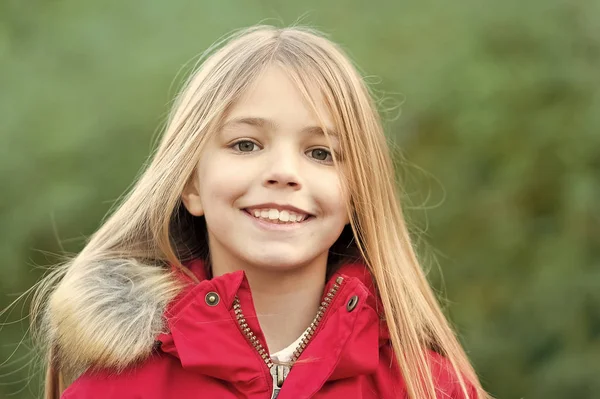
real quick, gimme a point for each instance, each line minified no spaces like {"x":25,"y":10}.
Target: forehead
{"x":274,"y":100}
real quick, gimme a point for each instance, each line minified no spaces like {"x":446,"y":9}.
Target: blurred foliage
{"x":500,"y":111}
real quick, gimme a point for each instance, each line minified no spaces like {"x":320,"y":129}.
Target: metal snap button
{"x":212,"y":299}
{"x":352,"y":303}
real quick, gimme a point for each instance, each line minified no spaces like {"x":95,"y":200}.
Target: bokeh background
{"x":493,"y":108}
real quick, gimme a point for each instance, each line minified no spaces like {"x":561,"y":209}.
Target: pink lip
{"x":263,"y":224}
{"x":279,"y":207}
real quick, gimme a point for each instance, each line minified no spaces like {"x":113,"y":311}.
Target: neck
{"x":286,"y":302}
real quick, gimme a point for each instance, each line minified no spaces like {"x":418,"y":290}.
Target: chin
{"x":278,"y":262}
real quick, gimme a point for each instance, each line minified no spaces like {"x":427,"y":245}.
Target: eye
{"x":321,"y":155}
{"x":245,"y":146}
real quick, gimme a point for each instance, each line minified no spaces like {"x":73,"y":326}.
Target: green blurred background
{"x":494,"y":109}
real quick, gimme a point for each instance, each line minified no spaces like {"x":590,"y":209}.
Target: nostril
{"x":290,"y":183}
{"x":282,"y":181}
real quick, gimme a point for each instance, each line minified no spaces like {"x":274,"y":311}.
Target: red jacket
{"x":207,"y":355}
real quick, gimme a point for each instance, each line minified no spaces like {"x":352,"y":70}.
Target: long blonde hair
{"x":150,"y":228}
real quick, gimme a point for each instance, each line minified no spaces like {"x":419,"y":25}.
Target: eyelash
{"x":235,"y":146}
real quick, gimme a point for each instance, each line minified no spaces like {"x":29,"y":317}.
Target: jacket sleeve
{"x":102,"y":386}
{"x":446,"y":380}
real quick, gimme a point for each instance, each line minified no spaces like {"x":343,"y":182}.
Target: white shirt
{"x":285,"y":355}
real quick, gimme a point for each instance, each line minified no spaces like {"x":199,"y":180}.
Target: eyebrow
{"x":272,"y":125}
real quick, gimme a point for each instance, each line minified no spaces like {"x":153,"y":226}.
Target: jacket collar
{"x":208,"y":339}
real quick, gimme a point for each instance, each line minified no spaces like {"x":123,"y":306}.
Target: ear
{"x":191,"y":197}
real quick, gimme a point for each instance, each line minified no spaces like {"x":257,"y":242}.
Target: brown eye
{"x":245,"y":146}
{"x":321,"y":155}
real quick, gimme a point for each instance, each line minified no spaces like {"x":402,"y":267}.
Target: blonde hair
{"x":150,"y":229}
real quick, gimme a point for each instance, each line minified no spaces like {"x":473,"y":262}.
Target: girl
{"x":262,"y":254}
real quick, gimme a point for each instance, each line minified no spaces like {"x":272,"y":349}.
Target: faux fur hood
{"x":108,"y":314}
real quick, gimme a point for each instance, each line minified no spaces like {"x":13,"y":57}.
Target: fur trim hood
{"x":108,"y":314}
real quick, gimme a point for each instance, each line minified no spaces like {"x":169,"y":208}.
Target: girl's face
{"x":266,"y":182}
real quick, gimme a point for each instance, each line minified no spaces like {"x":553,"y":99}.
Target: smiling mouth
{"x":276,"y":216}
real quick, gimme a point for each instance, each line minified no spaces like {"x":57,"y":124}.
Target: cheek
{"x":221,"y":184}
{"x":332,"y":195}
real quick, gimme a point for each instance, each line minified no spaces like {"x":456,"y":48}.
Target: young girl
{"x":262,"y":254}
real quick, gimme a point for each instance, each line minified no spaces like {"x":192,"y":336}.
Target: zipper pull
{"x":279,"y":372}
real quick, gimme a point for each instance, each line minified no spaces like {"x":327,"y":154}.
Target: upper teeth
{"x":275,"y":214}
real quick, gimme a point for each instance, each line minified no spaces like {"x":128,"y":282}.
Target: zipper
{"x":279,"y":372}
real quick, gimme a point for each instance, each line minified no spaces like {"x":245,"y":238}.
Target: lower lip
{"x":263,"y":224}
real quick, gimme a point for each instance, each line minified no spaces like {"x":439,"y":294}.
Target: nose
{"x":282,"y":171}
